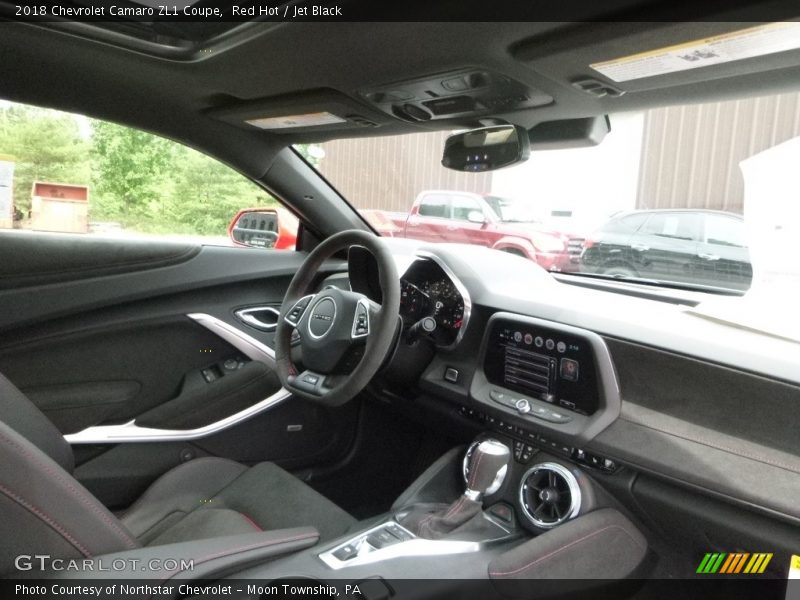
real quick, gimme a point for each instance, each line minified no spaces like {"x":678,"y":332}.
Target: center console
{"x":494,"y":519}
{"x":516,"y":506}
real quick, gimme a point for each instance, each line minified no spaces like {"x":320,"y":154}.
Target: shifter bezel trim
{"x":416,"y":546}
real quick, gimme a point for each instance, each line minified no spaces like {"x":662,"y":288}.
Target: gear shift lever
{"x":486,"y":469}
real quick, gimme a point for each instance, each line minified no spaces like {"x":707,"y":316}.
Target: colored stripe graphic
{"x":734,"y":560}
{"x":743,"y":557}
{"x":711,"y":562}
{"x":734,"y":563}
{"x":758,"y":563}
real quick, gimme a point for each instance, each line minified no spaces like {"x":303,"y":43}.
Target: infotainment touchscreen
{"x":543,"y":363}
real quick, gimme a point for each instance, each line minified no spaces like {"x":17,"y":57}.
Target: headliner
{"x":289,"y":62}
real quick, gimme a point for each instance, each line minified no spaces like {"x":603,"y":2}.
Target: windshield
{"x":696,"y":196}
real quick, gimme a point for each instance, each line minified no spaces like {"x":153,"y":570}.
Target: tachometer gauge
{"x":450,"y":314}
{"x":447,"y":303}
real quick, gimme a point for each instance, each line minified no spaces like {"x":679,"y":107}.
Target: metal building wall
{"x":359,"y":170}
{"x":691,"y":154}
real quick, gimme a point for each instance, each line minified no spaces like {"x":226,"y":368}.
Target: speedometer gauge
{"x":414,"y":303}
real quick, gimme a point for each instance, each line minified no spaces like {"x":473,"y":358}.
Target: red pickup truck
{"x":493,"y":221}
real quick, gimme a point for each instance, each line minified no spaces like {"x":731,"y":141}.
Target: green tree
{"x":46,"y":145}
{"x":131,"y":169}
{"x":147,"y":183}
{"x":206,"y":194}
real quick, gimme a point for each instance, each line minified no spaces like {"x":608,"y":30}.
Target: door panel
{"x":75,"y":406}
{"x":109,"y":349}
{"x":154,"y":354}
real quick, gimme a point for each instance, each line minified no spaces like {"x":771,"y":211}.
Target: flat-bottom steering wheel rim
{"x":382,"y":327}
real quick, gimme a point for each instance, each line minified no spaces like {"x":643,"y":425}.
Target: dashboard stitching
{"x":705,"y":442}
{"x":561,"y":549}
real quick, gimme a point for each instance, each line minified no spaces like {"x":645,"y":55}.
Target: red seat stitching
{"x":231,"y":551}
{"x":47,"y":519}
{"x":75,"y":491}
{"x":561,"y":549}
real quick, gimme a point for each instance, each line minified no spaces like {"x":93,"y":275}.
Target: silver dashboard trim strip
{"x":131,"y":432}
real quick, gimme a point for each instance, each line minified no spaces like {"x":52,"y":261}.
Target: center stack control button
{"x":523,"y":406}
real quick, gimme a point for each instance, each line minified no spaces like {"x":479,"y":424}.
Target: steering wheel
{"x":338,"y":330}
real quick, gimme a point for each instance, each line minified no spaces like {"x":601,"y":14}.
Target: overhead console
{"x":556,"y":377}
{"x":467,"y":92}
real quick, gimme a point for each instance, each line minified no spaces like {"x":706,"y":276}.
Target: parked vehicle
{"x":682,"y":246}
{"x":492,"y":221}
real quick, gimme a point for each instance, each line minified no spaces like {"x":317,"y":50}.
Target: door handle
{"x":264,"y":318}
{"x":640,"y":247}
{"x":708,"y":257}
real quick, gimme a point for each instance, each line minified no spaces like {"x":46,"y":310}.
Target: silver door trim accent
{"x":244,"y":343}
{"x":131,"y":432}
{"x":246,"y":315}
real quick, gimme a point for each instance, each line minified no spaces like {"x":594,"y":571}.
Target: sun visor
{"x":614,"y":59}
{"x":317,"y":111}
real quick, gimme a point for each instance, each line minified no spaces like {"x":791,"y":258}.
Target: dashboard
{"x":602,"y":378}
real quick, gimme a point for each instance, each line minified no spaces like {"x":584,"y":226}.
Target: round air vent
{"x":549,"y":495}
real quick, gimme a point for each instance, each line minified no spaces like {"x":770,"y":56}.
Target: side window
{"x":725,"y":231}
{"x":627,"y":224}
{"x":463,"y":205}
{"x":68,"y":173}
{"x":677,"y":226}
{"x":633,"y":222}
{"x":434,"y":205}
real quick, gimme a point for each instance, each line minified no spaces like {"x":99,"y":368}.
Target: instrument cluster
{"x":427,"y":291}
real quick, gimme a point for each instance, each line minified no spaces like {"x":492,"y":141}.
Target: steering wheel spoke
{"x":309,"y":381}
{"x":361,"y":319}
{"x":295,"y":314}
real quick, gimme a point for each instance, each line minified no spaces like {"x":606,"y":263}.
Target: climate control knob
{"x":523,"y":406}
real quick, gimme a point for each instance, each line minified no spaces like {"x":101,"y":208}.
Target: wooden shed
{"x":60,"y":207}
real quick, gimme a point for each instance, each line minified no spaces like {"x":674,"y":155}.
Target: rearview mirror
{"x":486,"y":149}
{"x":264,"y":228}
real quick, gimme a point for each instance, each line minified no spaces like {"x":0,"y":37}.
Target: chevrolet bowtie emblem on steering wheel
{"x":322,"y":317}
